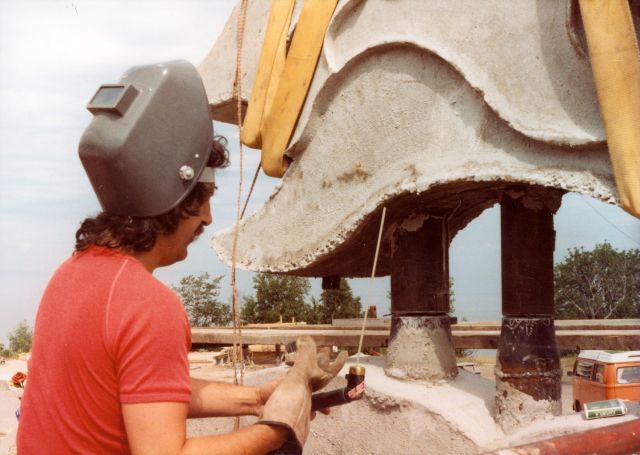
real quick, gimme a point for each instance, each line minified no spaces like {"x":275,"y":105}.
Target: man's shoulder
{"x":124,"y":274}
{"x":137,"y":280}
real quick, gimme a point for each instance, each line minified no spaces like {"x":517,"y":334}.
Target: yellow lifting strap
{"x":615,"y":61}
{"x":270,"y":69}
{"x":281,"y":86}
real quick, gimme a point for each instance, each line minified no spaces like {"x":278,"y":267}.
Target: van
{"x":603,"y":375}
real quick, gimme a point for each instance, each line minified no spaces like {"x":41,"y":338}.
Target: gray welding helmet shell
{"x":149,"y":139}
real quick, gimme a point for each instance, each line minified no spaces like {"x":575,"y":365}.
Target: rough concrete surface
{"x":515,"y":408}
{"x":414,"y":417}
{"x":394,"y":417}
{"x":408,"y":115}
{"x":419,"y":351}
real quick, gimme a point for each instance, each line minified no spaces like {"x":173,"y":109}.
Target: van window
{"x":629,"y":375}
{"x":584,"y":368}
{"x":598,"y":373}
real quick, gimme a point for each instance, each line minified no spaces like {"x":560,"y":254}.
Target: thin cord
{"x":612,"y":225}
{"x":253,"y":183}
{"x":373,"y":274}
{"x":235,"y":309}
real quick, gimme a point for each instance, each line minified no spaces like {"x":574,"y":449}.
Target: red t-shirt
{"x":107,"y":332}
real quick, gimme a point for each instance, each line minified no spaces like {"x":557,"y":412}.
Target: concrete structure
{"x":436,"y":110}
{"x":398,"y":417}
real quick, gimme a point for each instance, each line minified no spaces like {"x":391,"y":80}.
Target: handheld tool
{"x":353,"y":391}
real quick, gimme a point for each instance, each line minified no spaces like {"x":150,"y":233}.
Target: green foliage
{"x":276,"y":295}
{"x":20,"y":338}
{"x":200,"y":295}
{"x":313,"y":312}
{"x":460,"y":352}
{"x":600,"y":284}
{"x":4,"y":352}
{"x":337,"y":304}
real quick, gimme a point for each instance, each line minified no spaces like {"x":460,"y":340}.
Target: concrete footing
{"x":420,"y":348}
{"x":528,"y":372}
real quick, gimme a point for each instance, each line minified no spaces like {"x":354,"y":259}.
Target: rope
{"x":235,"y":308}
{"x":373,"y":274}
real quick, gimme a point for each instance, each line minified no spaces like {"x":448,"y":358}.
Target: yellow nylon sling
{"x":270,"y":67}
{"x":615,"y":61}
{"x":274,"y":123}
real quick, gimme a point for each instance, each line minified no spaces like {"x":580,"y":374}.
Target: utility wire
{"x":609,"y":222}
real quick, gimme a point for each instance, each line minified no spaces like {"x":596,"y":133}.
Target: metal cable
{"x":373,"y":274}
{"x":253,"y":183}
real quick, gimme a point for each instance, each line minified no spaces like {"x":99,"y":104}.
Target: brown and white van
{"x":602,"y":375}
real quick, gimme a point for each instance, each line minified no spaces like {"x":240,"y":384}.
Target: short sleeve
{"x":151,"y":338}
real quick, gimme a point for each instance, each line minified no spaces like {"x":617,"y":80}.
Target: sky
{"x":53,"y":57}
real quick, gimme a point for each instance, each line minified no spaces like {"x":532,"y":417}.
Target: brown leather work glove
{"x":290,"y":403}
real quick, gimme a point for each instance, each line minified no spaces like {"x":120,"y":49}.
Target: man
{"x":109,"y":370}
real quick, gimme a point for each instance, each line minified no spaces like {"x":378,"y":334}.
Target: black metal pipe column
{"x":528,"y":372}
{"x":420,"y":346}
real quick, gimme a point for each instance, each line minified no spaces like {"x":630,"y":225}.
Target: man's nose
{"x":207,"y":218}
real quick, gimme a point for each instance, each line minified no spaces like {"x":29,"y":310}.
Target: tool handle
{"x":353,"y":391}
{"x":324,"y":400}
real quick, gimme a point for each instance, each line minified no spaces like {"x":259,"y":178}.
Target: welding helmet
{"x":149,"y":140}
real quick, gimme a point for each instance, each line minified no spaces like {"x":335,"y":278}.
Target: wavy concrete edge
{"x":479,"y":158}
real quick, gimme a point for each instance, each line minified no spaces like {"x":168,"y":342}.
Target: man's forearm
{"x":219,"y":399}
{"x":253,"y":440}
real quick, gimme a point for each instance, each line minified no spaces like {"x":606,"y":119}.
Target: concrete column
{"x":420,"y":346}
{"x":528,"y":372}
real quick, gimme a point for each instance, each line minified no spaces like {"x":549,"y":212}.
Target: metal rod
{"x":619,"y":439}
{"x":373,"y":274}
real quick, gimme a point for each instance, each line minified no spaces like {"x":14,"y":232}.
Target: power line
{"x":609,"y":222}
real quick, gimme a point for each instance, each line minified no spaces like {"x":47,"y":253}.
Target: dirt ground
{"x":203,"y":365}
{"x":9,"y":397}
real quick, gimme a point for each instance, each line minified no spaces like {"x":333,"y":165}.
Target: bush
{"x":20,"y":338}
{"x":4,"y":352}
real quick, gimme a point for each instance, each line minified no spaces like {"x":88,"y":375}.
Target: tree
{"x":337,"y":303}
{"x":600,"y":284}
{"x":276,"y":295}
{"x":460,"y":352}
{"x":200,"y":296}
{"x":20,"y":338}
{"x":313,"y":312}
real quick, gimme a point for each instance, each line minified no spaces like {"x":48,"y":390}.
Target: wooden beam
{"x":560,"y":324}
{"x":385,"y":324}
{"x":323,"y":337}
{"x":468,"y":339}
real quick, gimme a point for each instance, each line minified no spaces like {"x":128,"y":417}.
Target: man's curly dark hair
{"x":138,"y":234}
